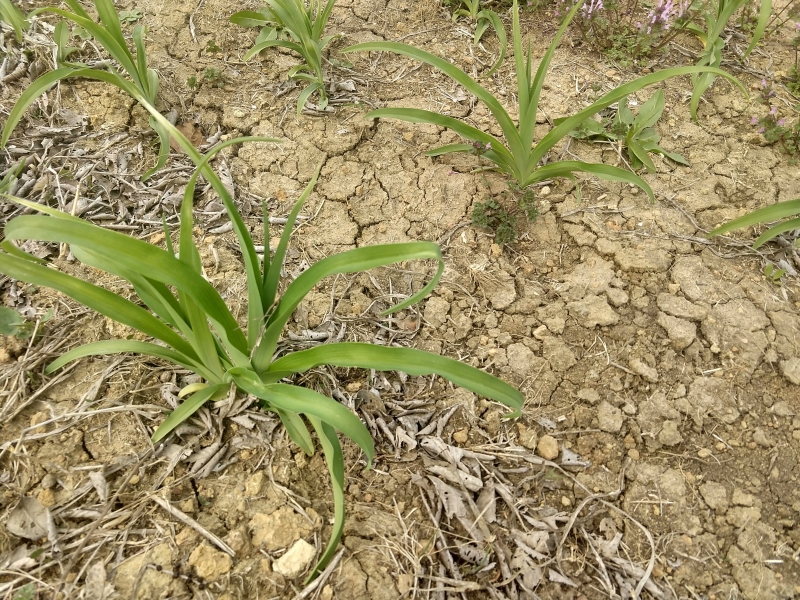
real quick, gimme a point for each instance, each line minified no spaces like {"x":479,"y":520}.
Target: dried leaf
{"x":451,"y":498}
{"x":473,"y":553}
{"x":30,"y":520}
{"x":100,"y":485}
{"x":557,"y":577}
{"x":531,"y":573}
{"x":457,"y":476}
{"x":18,"y":559}
{"x":487,"y":503}
{"x":192,"y":133}
{"x":96,"y":586}
{"x":572,"y":459}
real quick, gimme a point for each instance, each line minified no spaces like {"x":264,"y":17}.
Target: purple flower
{"x":754,"y":121}
{"x":773,"y":111}
{"x":761,"y":130}
{"x":488,"y":146}
{"x":763,"y":83}
{"x":781,"y":122}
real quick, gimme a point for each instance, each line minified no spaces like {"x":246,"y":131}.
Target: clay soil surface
{"x":660,"y":440}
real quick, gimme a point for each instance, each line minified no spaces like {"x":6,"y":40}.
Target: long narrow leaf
{"x":775,"y":231}
{"x":470,"y":85}
{"x":408,"y":360}
{"x":187,"y":408}
{"x":781,"y":210}
{"x":764,"y":14}
{"x":296,"y":429}
{"x":565,"y":168}
{"x":335,"y":459}
{"x":127,"y":346}
{"x":274,"y":272}
{"x":352,"y":261}
{"x":570,"y":123}
{"x":135,"y":255}
{"x":105,"y":302}
{"x":292,"y":398}
{"x":491,"y":17}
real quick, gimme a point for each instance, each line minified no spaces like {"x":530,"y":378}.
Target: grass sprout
{"x":298,"y":26}
{"x":108,"y":33}
{"x":520,"y":156}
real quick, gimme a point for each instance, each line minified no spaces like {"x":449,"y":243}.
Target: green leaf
{"x":291,"y":398}
{"x":650,"y":112}
{"x":767,"y":214}
{"x":36,"y":88}
{"x":297,"y":430}
{"x":565,"y":168}
{"x":485,"y":18}
{"x":187,"y":408}
{"x":335,"y":459}
{"x":127,"y":346}
{"x":250,"y":18}
{"x":640,"y":153}
{"x":352,"y":261}
{"x":273,"y":274}
{"x":764,"y":13}
{"x":137,"y":256}
{"x":775,"y":231}
{"x":10,"y":321}
{"x":408,"y":360}
{"x":106,"y":303}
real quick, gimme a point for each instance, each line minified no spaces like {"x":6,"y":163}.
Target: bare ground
{"x":658,"y":447}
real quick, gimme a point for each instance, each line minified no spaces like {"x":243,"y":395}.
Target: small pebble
{"x":548,"y":447}
{"x":704,"y":453}
{"x":461,"y":436}
{"x":565,"y":501}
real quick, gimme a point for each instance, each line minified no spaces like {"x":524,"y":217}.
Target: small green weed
{"x":774,"y":274}
{"x":501,"y":216}
{"x":130,"y":16}
{"x":635,"y":133}
{"x":212,"y":48}
{"x":26,"y":592}
{"x":192,"y":83}
{"x":214,"y":77}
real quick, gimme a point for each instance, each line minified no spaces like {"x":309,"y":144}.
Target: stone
{"x":134,"y":576}
{"x":669,"y":434}
{"x":681,"y":307}
{"x":642,"y":369}
{"x":609,"y":417}
{"x":715,"y":496}
{"x":590,"y":395}
{"x":617,"y":297}
{"x":710,"y":396}
{"x":501,"y":291}
{"x":255,"y":484}
{"x":436,"y":310}
{"x":296,"y":560}
{"x":761,"y":438}
{"x":522,"y":360}
{"x":547,"y":447}
{"x":781,"y":408}
{"x":699,"y":284}
{"x":741,"y":516}
{"x":742,"y":498}
{"x":209,"y":564}
{"x":558,"y":354}
{"x":738,"y":324}
{"x":592,"y":276}
{"x":278,"y":529}
{"x":791,"y":369}
{"x":592,"y":311}
{"x":643,"y":260}
{"x":527,"y":437}
{"x":681,"y":333}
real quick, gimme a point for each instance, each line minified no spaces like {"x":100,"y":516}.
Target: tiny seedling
{"x":774,"y":274}
{"x":141,"y":82}
{"x":520,"y":156}
{"x":212,"y":48}
{"x":635,"y":133}
{"x":130,"y":16}
{"x":298,"y":26}
{"x":483,"y":19}
{"x":214,"y":77}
